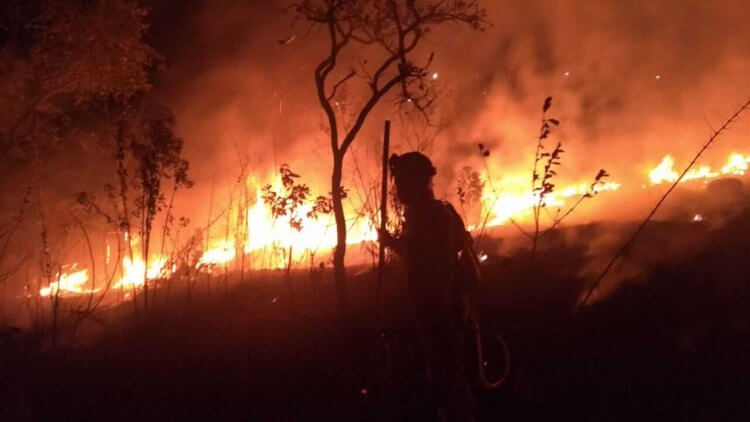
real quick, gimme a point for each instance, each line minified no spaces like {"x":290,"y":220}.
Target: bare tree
{"x":394,"y":29}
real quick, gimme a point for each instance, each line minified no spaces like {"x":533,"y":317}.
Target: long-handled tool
{"x":383,"y":208}
{"x":381,"y":251}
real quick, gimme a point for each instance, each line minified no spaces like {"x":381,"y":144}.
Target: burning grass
{"x":269,"y":237}
{"x":244,"y":354}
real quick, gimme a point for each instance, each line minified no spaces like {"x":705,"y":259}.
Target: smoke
{"x":630,"y":81}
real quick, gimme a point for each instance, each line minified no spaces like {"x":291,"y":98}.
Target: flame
{"x":68,"y":283}
{"x":584,"y":188}
{"x":737,"y":165}
{"x":518,"y":206}
{"x":221,"y":253}
{"x":266,"y":232}
{"x":664,"y":172}
{"x":133,"y":272}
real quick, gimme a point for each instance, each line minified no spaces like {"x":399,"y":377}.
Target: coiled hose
{"x":479,"y":335}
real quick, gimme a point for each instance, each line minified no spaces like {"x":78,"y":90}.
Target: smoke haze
{"x":630,"y":80}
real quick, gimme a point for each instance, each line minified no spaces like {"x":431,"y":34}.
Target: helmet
{"x":411,"y":165}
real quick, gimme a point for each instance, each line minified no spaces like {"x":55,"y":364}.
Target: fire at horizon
{"x":264,"y":231}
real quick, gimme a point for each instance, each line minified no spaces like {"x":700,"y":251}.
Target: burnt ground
{"x":670,"y":342}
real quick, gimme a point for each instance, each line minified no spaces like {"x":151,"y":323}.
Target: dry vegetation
{"x":665,"y":336}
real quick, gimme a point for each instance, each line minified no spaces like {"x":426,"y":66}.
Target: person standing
{"x":429,"y":247}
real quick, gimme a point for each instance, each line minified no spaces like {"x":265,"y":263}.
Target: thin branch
{"x":365,"y":111}
{"x":381,"y":70}
{"x":341,"y":82}
{"x":521,"y":229}
{"x":635,"y":234}
{"x":13,"y":269}
{"x":91,"y":256}
{"x":556,"y":221}
{"x":709,"y":124}
{"x":11,"y":231}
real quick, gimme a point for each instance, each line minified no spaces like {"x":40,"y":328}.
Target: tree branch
{"x":635,"y":234}
{"x":341,"y":82}
{"x":369,"y":105}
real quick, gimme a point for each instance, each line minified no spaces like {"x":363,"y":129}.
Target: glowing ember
{"x":70,"y":283}
{"x":697,"y":218}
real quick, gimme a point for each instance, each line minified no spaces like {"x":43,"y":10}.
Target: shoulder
{"x":429,"y":216}
{"x":441,"y":214}
{"x":452,"y":213}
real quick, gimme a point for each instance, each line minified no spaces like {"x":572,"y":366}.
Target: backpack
{"x":468,"y":271}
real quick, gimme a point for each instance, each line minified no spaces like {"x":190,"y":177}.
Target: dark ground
{"x":671,"y":343}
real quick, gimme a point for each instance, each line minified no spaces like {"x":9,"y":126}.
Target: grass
{"x":671,"y":341}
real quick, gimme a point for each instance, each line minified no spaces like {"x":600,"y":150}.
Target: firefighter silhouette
{"x":433,"y":234}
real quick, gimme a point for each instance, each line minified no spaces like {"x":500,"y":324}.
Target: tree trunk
{"x":339,"y":271}
{"x":288,"y":280}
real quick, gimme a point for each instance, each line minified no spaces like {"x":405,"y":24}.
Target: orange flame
{"x":737,"y":165}
{"x":221,"y":253}
{"x":264,"y":231}
{"x":133,"y":272}
{"x":69,"y":283}
{"x":518,"y":206}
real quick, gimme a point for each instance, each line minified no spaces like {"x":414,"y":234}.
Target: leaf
{"x":547,"y":104}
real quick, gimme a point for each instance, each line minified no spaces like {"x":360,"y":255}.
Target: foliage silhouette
{"x":394,"y":30}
